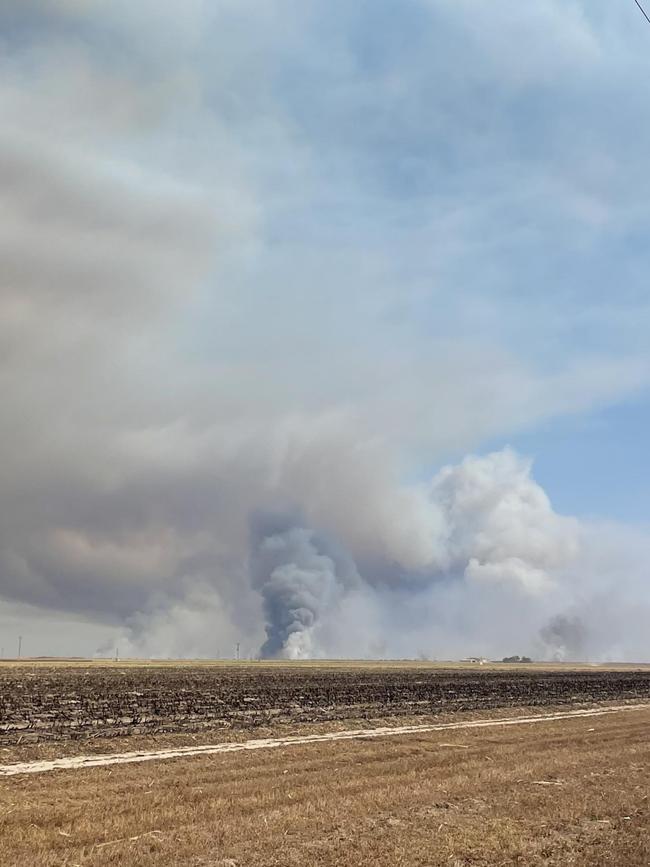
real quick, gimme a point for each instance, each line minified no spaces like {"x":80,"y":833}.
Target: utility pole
{"x":20,"y":645}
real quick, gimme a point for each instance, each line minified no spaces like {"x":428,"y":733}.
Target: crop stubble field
{"x":571,"y":791}
{"x":48,"y":702}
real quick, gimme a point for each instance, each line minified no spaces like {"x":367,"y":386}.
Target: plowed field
{"x":47,"y":703}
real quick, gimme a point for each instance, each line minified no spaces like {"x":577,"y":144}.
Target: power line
{"x":643,"y":12}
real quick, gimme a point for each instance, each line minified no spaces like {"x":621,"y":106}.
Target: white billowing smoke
{"x":491,"y":526}
{"x":499,"y":524}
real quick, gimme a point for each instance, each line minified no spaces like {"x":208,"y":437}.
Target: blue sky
{"x":595,"y":465}
{"x":490,"y":163}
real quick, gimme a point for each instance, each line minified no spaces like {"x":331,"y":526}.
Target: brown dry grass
{"x":572,"y":792}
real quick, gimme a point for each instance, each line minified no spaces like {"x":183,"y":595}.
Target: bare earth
{"x":565,"y":791}
{"x":49,"y":703}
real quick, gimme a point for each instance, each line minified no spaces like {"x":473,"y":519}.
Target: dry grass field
{"x":564,"y":792}
{"x":558,"y":793}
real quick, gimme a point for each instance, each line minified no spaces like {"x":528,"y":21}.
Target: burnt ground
{"x":49,"y":703}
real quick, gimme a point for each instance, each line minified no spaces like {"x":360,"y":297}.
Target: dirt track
{"x":81,"y":762}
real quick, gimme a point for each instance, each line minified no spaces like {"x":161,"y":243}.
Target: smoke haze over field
{"x":280,"y":284}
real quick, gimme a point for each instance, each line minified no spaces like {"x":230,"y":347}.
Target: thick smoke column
{"x":301,"y":580}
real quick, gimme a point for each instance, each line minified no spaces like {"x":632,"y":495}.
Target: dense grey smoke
{"x":301,"y":580}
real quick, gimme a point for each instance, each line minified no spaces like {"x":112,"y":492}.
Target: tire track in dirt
{"x":99,"y":761}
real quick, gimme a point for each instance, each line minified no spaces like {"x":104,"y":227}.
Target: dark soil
{"x":56,"y":703}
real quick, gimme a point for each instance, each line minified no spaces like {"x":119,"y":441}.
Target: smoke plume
{"x":262,"y":323}
{"x":496,"y":562}
{"x":301,"y":581}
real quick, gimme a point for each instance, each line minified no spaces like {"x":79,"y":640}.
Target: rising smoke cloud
{"x":497,"y":542}
{"x":233,"y":333}
{"x":301,"y":581}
